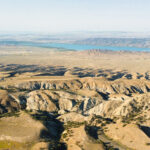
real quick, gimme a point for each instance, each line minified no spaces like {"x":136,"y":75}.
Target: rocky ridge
{"x":111,"y":99}
{"x":89,"y":104}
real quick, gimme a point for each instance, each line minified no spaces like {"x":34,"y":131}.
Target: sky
{"x":74,"y":15}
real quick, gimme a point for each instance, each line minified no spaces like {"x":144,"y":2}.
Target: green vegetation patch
{"x":10,"y":114}
{"x":73,"y":124}
{"x":12,"y":145}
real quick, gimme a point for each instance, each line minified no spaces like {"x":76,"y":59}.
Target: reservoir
{"x":68,"y":46}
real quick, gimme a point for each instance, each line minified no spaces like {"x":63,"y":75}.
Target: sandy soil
{"x":129,"y":135}
{"x":131,"y":61}
{"x":25,"y":64}
{"x":79,"y":140}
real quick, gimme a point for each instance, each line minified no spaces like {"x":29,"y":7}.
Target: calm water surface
{"x":78,"y":47}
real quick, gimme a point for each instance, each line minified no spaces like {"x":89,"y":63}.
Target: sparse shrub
{"x":124,"y":125}
{"x":10,"y":114}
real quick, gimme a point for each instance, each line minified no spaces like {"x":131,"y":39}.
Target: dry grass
{"x":135,"y":62}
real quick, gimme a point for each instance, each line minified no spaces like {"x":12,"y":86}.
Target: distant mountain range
{"x":122,"y":39}
{"x":123,"y":42}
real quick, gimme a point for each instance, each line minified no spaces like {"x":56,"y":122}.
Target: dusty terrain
{"x":115,"y":61}
{"x":74,"y":100}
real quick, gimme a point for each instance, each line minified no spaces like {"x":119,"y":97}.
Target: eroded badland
{"x":87,"y":100}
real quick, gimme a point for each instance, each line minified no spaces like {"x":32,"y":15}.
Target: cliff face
{"x":124,"y":86}
{"x":110,"y":99}
{"x":8,"y":103}
{"x":62,"y":109}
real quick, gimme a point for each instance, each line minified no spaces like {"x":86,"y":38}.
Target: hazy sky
{"x":74,"y":15}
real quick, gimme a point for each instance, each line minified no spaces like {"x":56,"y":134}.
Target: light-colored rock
{"x":38,"y":100}
{"x":61,"y":112}
{"x":7,"y":102}
{"x":66,"y":104}
{"x":89,"y":103}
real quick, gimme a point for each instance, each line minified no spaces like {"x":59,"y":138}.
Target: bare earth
{"x":74,"y":100}
{"x":131,"y":61}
